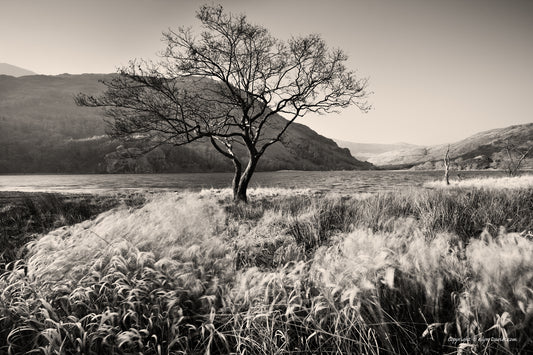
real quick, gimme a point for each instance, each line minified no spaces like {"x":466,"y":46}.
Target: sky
{"x":438,"y":70}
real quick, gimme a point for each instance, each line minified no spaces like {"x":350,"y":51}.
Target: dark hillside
{"x":43,"y":131}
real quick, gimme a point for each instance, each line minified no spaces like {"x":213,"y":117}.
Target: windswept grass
{"x":465,"y":212}
{"x":23,"y":215}
{"x":420,"y":271}
{"x":519,"y":182}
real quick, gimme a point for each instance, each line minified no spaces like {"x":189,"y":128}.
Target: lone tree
{"x":227,"y":85}
{"x":515,"y":157}
{"x":447,"y":166}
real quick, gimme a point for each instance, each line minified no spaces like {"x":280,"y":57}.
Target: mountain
{"x":366,"y":151}
{"x":43,"y":131}
{"x":481,"y":151}
{"x":8,"y":69}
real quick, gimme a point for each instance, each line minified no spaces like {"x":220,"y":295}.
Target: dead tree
{"x":515,"y":157}
{"x":447,"y":166}
{"x":228,"y":85}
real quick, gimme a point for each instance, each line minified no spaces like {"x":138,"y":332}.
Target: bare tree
{"x":515,"y":157}
{"x":228,"y":84}
{"x":447,"y":166}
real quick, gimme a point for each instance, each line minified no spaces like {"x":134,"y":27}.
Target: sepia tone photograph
{"x":266,"y":177}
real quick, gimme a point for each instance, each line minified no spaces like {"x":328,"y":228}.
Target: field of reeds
{"x":25,"y":215}
{"x":420,"y":271}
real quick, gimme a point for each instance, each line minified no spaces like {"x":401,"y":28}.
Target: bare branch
{"x":229,"y":83}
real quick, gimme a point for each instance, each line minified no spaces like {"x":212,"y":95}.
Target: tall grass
{"x":518,"y":182}
{"x":23,"y":215}
{"x":463,"y":212}
{"x":419,"y":271}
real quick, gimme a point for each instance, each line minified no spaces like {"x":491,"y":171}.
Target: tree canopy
{"x":227,"y":84}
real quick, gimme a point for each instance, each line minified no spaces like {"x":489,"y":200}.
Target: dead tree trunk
{"x":513,"y":165}
{"x":447,"y":166}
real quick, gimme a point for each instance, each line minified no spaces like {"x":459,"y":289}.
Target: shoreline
{"x":267,"y":171}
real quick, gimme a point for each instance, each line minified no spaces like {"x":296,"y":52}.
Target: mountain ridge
{"x":13,"y":70}
{"x":43,"y":131}
{"x":483,"y":150}
{"x":365,"y":151}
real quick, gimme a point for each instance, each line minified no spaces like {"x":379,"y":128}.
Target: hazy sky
{"x":440,"y":70}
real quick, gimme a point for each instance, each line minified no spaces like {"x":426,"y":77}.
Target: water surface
{"x":345,"y":182}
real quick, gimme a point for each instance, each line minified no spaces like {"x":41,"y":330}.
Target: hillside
{"x":367,"y":151}
{"x":43,"y":131}
{"x":481,"y":151}
{"x":8,"y":69}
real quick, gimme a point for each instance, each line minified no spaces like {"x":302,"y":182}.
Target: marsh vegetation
{"x":414,"y":271}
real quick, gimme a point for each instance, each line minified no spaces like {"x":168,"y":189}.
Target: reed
{"x":24,"y":215}
{"x":418,"y":271}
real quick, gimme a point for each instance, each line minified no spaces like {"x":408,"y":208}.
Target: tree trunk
{"x":236,"y":177}
{"x":447,"y":166}
{"x":240,"y":195}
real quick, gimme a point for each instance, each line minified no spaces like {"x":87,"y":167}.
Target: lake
{"x":345,"y":182}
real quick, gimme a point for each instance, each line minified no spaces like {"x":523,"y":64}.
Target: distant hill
{"x":366,"y":151}
{"x":480,"y":151}
{"x":43,"y":131}
{"x":8,"y":69}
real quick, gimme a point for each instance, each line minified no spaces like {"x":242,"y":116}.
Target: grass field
{"x":428,"y":271}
